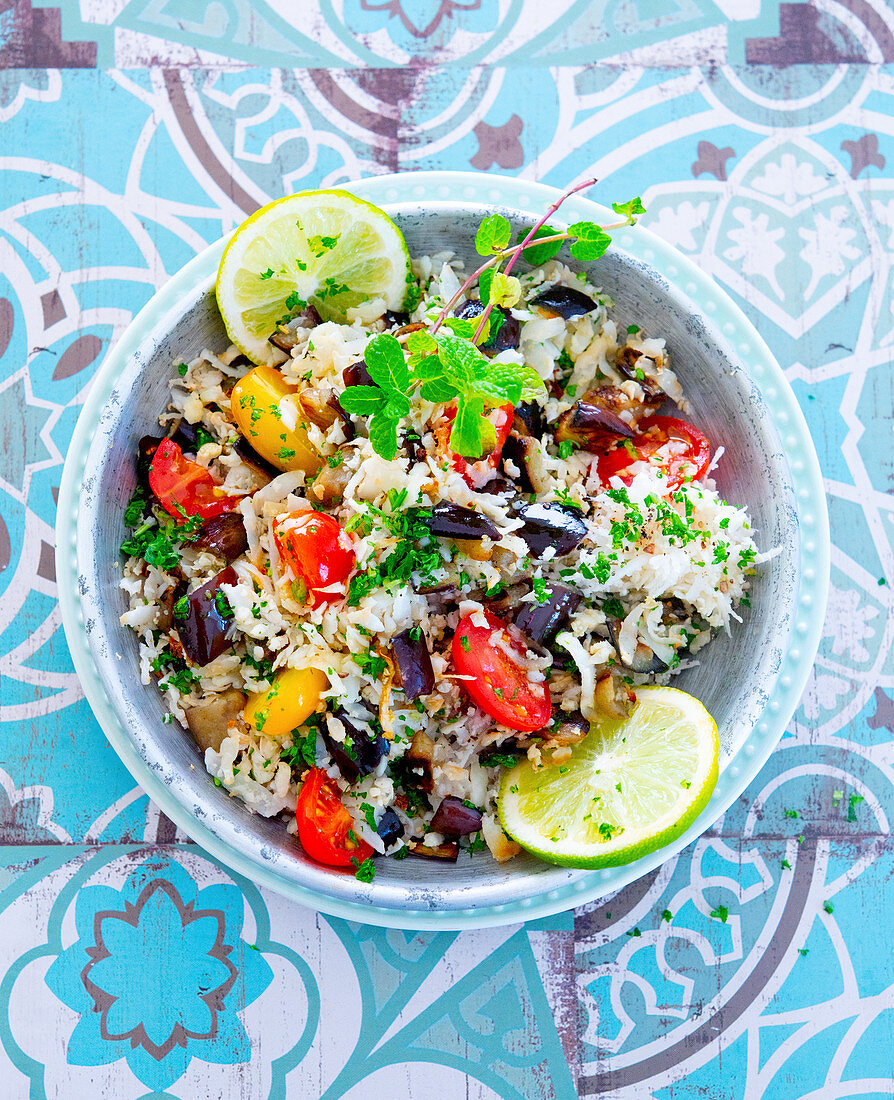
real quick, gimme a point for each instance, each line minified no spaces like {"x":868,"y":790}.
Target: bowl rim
{"x":728,"y":325}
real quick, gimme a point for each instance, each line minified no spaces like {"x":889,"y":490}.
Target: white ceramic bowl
{"x":750,"y":680}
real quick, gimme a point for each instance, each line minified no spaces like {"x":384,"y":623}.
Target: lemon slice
{"x":630,"y":787}
{"x":322,"y":248}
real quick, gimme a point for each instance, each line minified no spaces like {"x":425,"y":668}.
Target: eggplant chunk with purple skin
{"x":224,"y":535}
{"x":455,"y":818}
{"x":287,"y":336}
{"x":204,"y":619}
{"x":541,"y":621}
{"x":453,"y":521}
{"x":359,"y":753}
{"x":390,"y":828}
{"x":517,"y":450}
{"x":414,"y":663}
{"x":417,"y":763}
{"x":550,"y":525}
{"x":570,"y":729}
{"x":529,"y":419}
{"x":564,"y":301}
{"x":593,"y":423}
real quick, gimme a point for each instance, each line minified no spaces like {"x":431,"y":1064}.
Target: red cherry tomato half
{"x":185,"y":488}
{"x":316,"y":550}
{"x":479,"y":472}
{"x":325,"y":828}
{"x":500,"y":686}
{"x":671,"y":445}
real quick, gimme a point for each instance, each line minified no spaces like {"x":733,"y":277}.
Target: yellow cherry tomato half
{"x":255,"y":404}
{"x":290,"y":700}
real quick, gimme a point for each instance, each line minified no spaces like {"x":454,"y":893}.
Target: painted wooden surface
{"x":761,"y":136}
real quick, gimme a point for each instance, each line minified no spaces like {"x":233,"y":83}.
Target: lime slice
{"x":322,"y":248}
{"x":630,"y":787}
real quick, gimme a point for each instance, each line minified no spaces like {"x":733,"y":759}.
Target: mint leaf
{"x":504,"y":377}
{"x":383,"y":435}
{"x":537,"y":254}
{"x":461,"y":359}
{"x":438,"y":390}
{"x":460,"y":326}
{"x":363,"y":400}
{"x":428,"y":368}
{"x":592,"y":241}
{"x":473,"y":436}
{"x":421,"y":343}
{"x":506,"y":391}
{"x":384,"y":358}
{"x":505,"y":290}
{"x":493,"y":235}
{"x":484,"y":281}
{"x":398,"y":405}
{"x":629,"y":209}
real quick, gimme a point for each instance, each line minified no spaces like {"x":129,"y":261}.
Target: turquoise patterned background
{"x":761,"y":136}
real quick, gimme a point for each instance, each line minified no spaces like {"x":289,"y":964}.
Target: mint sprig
{"x":441,"y":369}
{"x":587,"y":241}
{"x":447,"y":367}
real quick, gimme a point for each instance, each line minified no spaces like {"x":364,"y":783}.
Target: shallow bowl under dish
{"x":750,"y":680}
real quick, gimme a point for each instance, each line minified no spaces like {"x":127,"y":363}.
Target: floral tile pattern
{"x":757,"y":963}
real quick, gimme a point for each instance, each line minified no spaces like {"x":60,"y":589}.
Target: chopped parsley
{"x":371,"y":664}
{"x":563,"y":496}
{"x":366,"y":870}
{"x":302,"y":751}
{"x":222,"y":604}
{"x":156,"y":540}
{"x":541,"y":592}
{"x":262,"y":669}
{"x":476,"y":843}
{"x":720,"y":913}
{"x":500,"y":760}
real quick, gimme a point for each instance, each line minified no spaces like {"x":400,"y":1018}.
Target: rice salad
{"x":588,"y":552}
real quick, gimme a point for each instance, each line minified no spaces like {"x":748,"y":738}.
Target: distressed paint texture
{"x":757,"y":963}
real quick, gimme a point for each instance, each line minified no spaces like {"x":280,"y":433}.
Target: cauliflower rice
{"x":655,"y":573}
